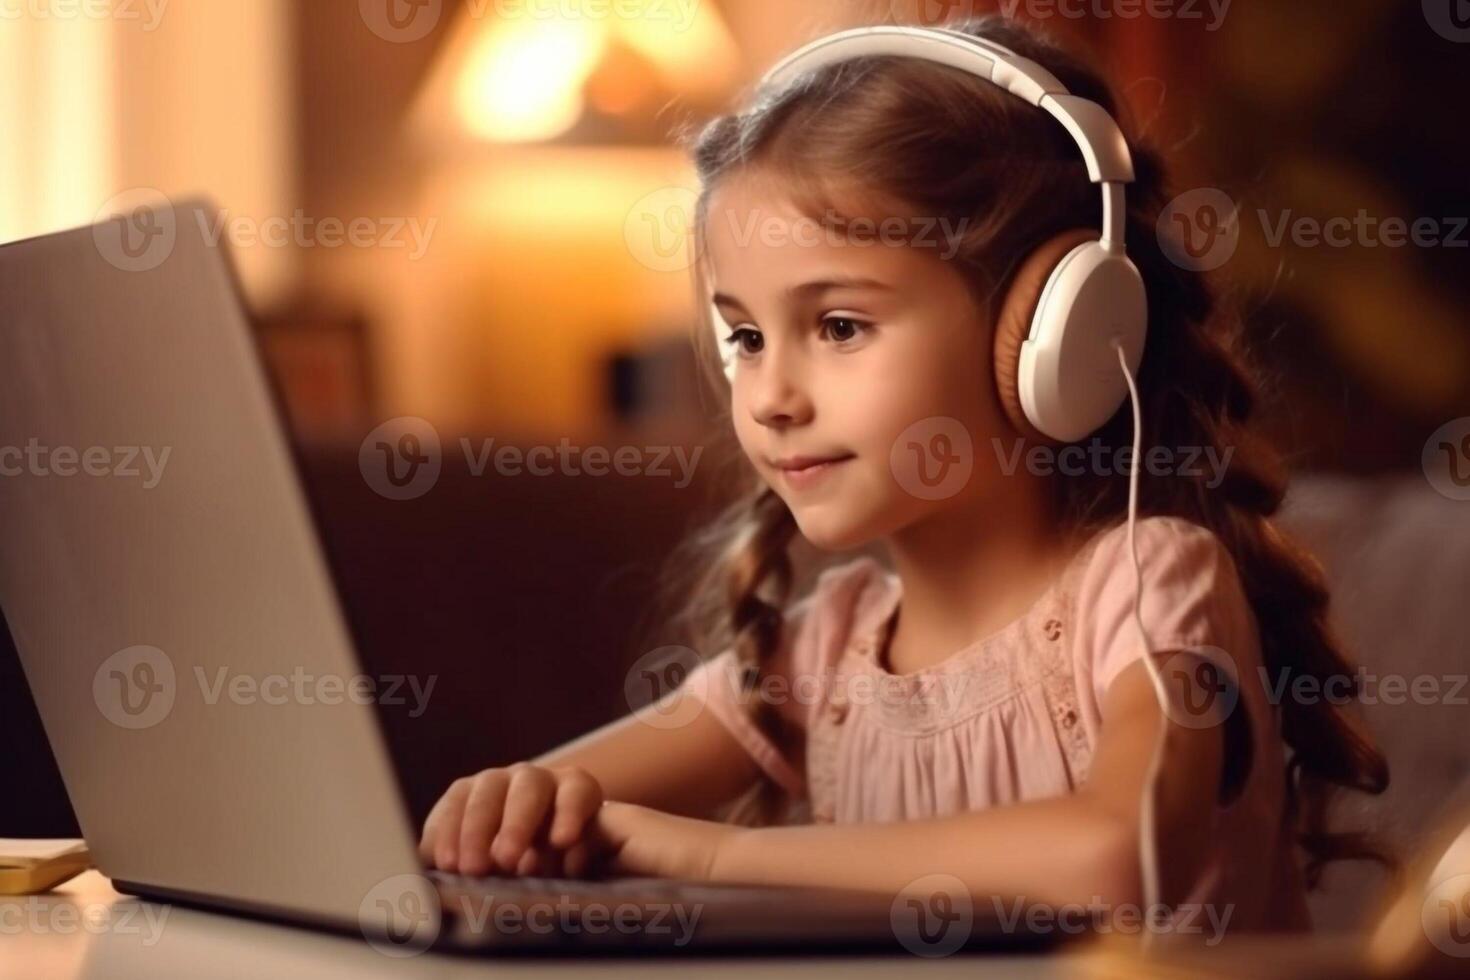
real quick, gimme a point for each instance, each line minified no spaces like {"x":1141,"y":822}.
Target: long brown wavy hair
{"x":951,"y":146}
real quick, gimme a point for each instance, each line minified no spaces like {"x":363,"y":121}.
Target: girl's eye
{"x":843,"y":328}
{"x":739,"y":334}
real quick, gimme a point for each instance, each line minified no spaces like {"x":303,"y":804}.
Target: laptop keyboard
{"x":509,"y":887}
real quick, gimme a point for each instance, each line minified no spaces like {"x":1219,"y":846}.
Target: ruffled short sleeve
{"x":814,"y":628}
{"x":1192,"y":599}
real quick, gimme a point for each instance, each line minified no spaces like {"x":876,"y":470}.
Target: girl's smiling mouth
{"x":800,"y":472}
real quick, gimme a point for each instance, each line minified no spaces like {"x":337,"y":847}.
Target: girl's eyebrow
{"x":814,"y":287}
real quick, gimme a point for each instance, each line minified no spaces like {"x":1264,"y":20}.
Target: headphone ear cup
{"x":1013,"y":323}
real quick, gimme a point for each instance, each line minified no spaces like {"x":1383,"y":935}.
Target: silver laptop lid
{"x":166,"y":590}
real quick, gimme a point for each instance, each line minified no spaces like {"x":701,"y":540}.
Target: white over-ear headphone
{"x":1068,"y":381}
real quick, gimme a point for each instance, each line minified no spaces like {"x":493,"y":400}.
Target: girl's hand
{"x":519,"y":820}
{"x":638,"y":840}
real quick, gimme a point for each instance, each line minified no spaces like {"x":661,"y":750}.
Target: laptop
{"x":156,"y":544}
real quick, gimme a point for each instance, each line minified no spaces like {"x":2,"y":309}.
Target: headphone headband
{"x":1096,"y":133}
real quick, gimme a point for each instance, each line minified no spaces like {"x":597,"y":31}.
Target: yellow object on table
{"x":28,"y":867}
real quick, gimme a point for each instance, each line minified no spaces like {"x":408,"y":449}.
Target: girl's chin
{"x":830,"y":532}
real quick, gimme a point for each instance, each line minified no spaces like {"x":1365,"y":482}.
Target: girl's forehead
{"x":736,"y":199}
{"x":756,"y":231}
{"x":794,"y":195}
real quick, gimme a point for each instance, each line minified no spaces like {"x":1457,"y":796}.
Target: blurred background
{"x":517,"y":272}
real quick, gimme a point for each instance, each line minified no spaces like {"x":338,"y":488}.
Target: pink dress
{"x":1016,"y":716}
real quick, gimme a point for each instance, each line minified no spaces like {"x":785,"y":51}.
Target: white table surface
{"x":85,"y":929}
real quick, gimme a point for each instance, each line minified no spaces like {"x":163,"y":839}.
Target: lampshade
{"x":554,"y":77}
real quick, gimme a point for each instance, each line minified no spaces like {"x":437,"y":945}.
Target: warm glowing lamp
{"x":586,"y":79}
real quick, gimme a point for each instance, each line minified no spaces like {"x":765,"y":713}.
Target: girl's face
{"x":854,"y":348}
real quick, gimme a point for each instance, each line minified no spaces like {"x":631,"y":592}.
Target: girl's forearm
{"x":1049,"y":852}
{"x":688,"y":769}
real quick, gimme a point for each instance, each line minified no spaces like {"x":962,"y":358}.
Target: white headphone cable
{"x":1147,"y":843}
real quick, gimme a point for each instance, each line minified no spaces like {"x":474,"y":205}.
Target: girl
{"x":982,"y":710}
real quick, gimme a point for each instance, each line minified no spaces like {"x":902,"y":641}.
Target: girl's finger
{"x":483,"y":811}
{"x":578,"y":796}
{"x":527,"y":800}
{"x":446,"y":824}
{"x":608,"y":832}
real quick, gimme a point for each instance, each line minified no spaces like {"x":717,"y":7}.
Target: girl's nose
{"x":778,"y":397}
